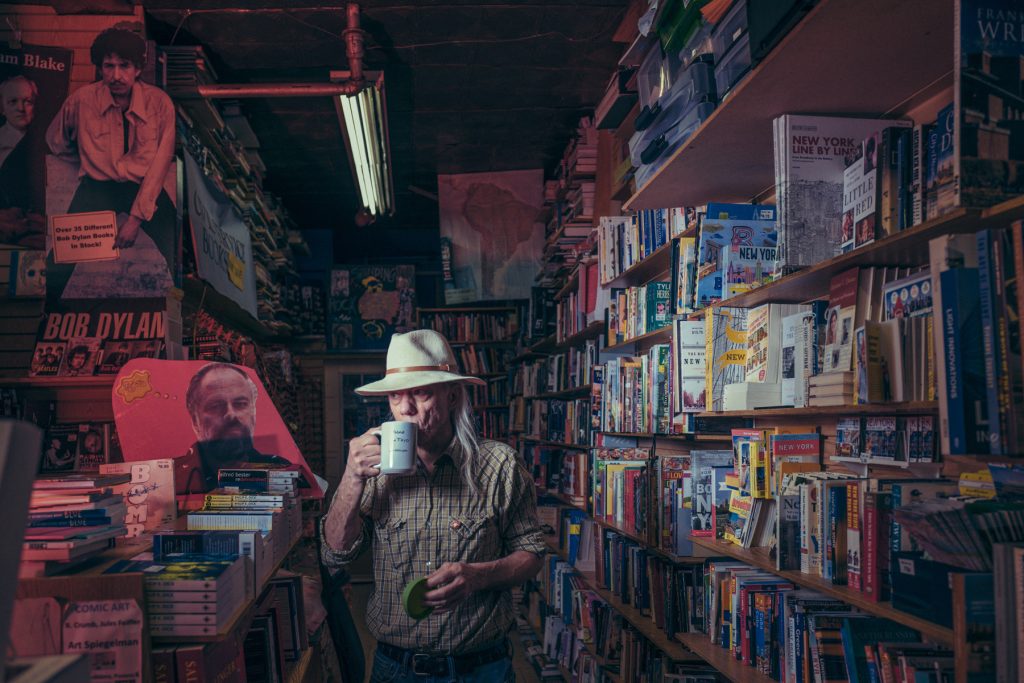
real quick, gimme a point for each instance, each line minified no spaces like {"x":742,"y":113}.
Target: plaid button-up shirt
{"x":418,"y":522}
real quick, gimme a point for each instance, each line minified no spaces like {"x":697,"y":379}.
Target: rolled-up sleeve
{"x":334,"y":558}
{"x":520,"y":526}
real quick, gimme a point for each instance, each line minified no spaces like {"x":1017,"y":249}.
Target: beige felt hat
{"x":416,"y":359}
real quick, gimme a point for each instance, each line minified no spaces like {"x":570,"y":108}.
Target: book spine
{"x":869,"y":557}
{"x":853,"y":536}
{"x":986,"y":291}
{"x":967,"y":409}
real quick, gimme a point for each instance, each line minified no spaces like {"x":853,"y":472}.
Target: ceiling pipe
{"x":353,"y":36}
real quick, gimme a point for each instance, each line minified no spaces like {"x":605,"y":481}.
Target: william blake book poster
{"x":368,"y":304}
{"x":34,"y":82}
{"x":490,"y":222}
{"x":207,"y":415}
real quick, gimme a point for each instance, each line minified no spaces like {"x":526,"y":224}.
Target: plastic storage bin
{"x":729,"y":29}
{"x":733,"y":66}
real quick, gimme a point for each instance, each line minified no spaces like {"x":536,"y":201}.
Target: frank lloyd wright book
{"x":809,"y":183}
{"x":987,"y":159}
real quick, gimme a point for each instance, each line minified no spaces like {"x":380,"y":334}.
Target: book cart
{"x":842,"y":58}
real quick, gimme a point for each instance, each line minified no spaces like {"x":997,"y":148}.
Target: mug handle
{"x":376,"y":432}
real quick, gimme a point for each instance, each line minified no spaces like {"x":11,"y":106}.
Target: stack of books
{"x":190,"y":595}
{"x":71,"y":518}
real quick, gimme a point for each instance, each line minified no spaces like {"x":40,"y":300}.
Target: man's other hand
{"x":363,"y":458}
{"x":128,"y":232}
{"x":452,"y":583}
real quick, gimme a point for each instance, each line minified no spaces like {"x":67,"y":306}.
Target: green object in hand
{"x":412,"y":599}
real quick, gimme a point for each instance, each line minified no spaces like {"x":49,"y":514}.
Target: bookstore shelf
{"x":656,"y":263}
{"x":674,"y":437}
{"x":575,"y":392}
{"x":909,"y":247}
{"x":559,"y":497}
{"x":641,"y":622}
{"x":644,"y":341}
{"x":721,"y":659}
{"x":758,"y":557}
{"x":905,"y":408}
{"x":730,"y":156}
{"x":199,"y":296}
{"x":556,"y":444}
{"x":592,"y":331}
{"x":485,"y":342}
{"x":570,"y":285}
{"x":468,"y":309}
{"x":58,"y":382}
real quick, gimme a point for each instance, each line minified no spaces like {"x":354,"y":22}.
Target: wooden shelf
{"x":641,"y":622}
{"x":570,"y":285}
{"x":556,"y":444}
{"x":907,"y":408}
{"x":673,"y":437}
{"x":758,"y":557}
{"x":483,"y":342}
{"x":656,"y":263}
{"x":577,"y":392}
{"x":490,"y":407}
{"x":644,"y":341}
{"x":561,"y":497}
{"x":592,"y":331}
{"x":909,"y":247}
{"x":58,"y":382}
{"x":467,"y":309}
{"x":730,"y":157}
{"x":723,"y":661}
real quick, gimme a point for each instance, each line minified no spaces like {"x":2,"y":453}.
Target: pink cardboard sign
{"x":206,"y":415}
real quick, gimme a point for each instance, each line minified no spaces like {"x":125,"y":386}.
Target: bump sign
{"x":80,"y":237}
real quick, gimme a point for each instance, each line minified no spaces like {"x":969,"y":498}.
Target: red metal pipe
{"x":248,"y":90}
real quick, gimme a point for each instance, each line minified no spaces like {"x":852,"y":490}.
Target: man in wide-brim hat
{"x":466,"y":519}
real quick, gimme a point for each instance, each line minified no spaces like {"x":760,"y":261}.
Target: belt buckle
{"x":423,"y":665}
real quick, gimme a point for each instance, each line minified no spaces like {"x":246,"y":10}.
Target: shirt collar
{"x":136,"y":107}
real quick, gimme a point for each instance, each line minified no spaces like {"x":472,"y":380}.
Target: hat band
{"x":419,"y":368}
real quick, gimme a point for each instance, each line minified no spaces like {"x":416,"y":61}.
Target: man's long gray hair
{"x":466,"y":438}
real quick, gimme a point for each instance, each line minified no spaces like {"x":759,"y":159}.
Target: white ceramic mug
{"x":397,"y":447}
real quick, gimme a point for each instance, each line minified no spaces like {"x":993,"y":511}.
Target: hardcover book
{"x":985,"y":154}
{"x":809,"y":183}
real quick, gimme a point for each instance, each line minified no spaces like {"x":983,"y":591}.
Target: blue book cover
{"x":989,"y":323}
{"x":965,"y":365}
{"x":729,"y":227}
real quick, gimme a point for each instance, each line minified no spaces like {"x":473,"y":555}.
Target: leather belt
{"x":428,"y":664}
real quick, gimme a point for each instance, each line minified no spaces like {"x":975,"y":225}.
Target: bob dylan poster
{"x":369,"y":304}
{"x":149,"y":266}
{"x":497,"y":241}
{"x":34,"y":82}
{"x":205,"y":415}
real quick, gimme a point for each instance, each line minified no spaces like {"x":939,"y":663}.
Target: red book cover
{"x":842,"y":289}
{"x":163,"y":664}
{"x":591,"y":292}
{"x":189,"y":659}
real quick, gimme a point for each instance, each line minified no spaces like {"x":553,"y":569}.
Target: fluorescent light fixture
{"x":363,"y":118}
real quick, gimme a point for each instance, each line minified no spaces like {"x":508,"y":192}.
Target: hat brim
{"x":410,"y":380}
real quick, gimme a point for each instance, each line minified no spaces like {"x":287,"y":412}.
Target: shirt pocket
{"x":393,"y":546}
{"x":472,"y":538}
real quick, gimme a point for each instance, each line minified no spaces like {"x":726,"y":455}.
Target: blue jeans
{"x":387,"y":670}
